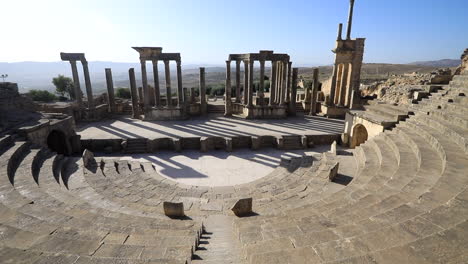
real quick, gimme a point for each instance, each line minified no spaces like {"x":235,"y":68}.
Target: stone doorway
{"x":57,"y":141}
{"x":359,"y":135}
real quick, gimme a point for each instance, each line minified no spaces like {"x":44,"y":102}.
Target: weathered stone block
{"x":88,"y":159}
{"x":177,"y":144}
{"x":174,"y":209}
{"x":256,"y":142}
{"x":204,"y":144}
{"x":333,"y":170}
{"x":333,"y":148}
{"x":228,"y":142}
{"x":243,"y":207}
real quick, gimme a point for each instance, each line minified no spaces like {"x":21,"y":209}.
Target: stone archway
{"x":57,"y":141}
{"x":360,"y":135}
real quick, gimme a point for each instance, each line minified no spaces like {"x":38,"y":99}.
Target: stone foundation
{"x":161,"y":114}
{"x":264,"y":112}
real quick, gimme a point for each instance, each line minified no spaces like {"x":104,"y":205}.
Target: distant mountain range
{"x":447,"y":63}
{"x":38,"y":75}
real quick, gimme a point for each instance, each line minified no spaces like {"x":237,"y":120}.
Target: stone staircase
{"x":215,"y":109}
{"x":136,"y":145}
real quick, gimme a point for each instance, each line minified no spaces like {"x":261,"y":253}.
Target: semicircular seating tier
{"x":408,"y":202}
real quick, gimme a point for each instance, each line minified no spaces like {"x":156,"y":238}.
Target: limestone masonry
{"x":268,"y":172}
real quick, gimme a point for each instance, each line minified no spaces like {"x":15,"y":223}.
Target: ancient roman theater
{"x":265,"y":173}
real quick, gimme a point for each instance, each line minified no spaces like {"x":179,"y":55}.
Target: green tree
{"x":64,"y":86}
{"x":122,"y":92}
{"x":42,"y":96}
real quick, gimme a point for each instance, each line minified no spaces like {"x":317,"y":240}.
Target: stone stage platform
{"x":215,"y":126}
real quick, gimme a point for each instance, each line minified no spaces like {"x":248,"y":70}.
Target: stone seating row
{"x":39,"y":215}
{"x":383,"y":212}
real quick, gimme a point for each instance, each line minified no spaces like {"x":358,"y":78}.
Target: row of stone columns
{"x":76,"y":82}
{"x":152,"y":97}
{"x":280,"y":82}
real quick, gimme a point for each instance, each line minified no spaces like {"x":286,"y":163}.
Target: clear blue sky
{"x":206,"y":31}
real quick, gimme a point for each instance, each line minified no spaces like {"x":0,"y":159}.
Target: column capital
{"x":142,"y":61}
{"x":262,"y":62}
{"x":238,"y":62}
{"x":166,"y":62}
{"x":84,"y":62}
{"x":154,"y":61}
{"x":72,"y":62}
{"x":178,"y":62}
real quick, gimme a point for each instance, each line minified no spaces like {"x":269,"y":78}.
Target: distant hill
{"x":445,"y":63}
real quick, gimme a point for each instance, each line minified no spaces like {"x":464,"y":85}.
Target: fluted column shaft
{"x":168,"y":83}
{"x":227,"y":90}
{"x":202,"y":91}
{"x":157,"y":90}
{"x":273,"y":83}
{"x":133,"y":92}
{"x":292,"y":103}
{"x":144,"y":81}
{"x":283,"y":82}
{"x":179,"y":84}
{"x":246,"y":81}
{"x":315,"y":86}
{"x":238,"y":85}
{"x":76,"y":83}
{"x":110,"y":90}
{"x":89,"y":89}
{"x":250,"y":90}
{"x":288,"y":85}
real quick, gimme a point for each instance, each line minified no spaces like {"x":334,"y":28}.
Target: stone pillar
{"x":133,"y":91}
{"x":192,"y":95}
{"x":283,"y":82}
{"x":330,"y":102}
{"x":76,"y":83}
{"x":202,"y":91}
{"x":350,"y":19}
{"x":228,"y":90}
{"x":246,"y":81}
{"x":144,"y":81}
{"x":250,"y":89}
{"x":262,"y":76}
{"x":278,"y":82}
{"x":168,"y":84}
{"x":292,"y":103}
{"x":152,"y":95}
{"x":140,"y":95}
{"x":315,"y":86}
{"x":110,"y":90}
{"x":89,"y":89}
{"x":179,"y":84}
{"x":288,"y":86}
{"x":157,"y":90}
{"x":273,"y":83}
{"x":340,"y":32}
{"x":238,"y":85}
{"x":343,"y":85}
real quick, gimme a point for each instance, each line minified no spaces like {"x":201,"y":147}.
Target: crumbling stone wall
{"x":464,"y":64}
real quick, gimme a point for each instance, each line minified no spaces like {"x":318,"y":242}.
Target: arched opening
{"x":56,"y":141}
{"x":359,"y":135}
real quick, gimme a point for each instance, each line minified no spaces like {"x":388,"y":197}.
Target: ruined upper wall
{"x":464,"y":63}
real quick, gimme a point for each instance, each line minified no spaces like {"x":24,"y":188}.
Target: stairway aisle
{"x":218,"y":244}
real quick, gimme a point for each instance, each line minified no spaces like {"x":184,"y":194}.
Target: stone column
{"x":315,"y":86}
{"x":350,"y":19}
{"x":246,"y":81}
{"x":140,"y":95}
{"x":283,"y":82}
{"x":227,"y":90}
{"x":76,"y":83}
{"x":192,"y":95}
{"x":179,"y":84}
{"x":273,"y":83}
{"x":292,"y":103}
{"x":157,"y":91}
{"x":262,"y":76}
{"x":288,"y":86}
{"x":110,"y":90}
{"x":89,"y":89}
{"x":144,"y":81}
{"x":340,"y":32}
{"x":168,"y":84}
{"x":333,"y":86}
{"x":133,"y":91}
{"x":238,"y":85}
{"x":250,"y":89}
{"x":343,"y":85}
{"x":202,"y":91}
